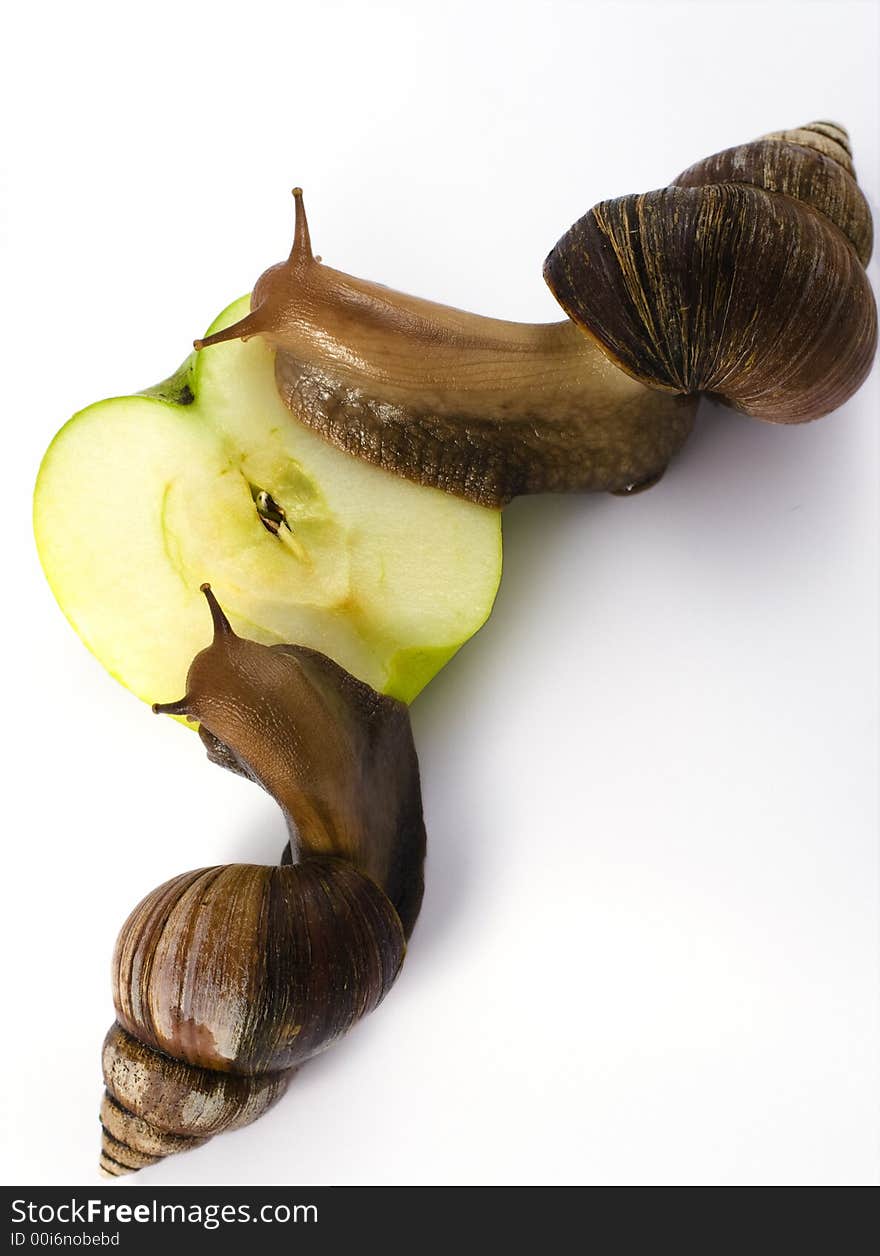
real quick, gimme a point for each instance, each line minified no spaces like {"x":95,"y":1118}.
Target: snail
{"x":744,"y":279}
{"x":226,"y":979}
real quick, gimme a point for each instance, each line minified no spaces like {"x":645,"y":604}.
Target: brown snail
{"x":743,"y":279}
{"x":226,"y":979}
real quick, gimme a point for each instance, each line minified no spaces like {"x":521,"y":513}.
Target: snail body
{"x":481,"y":407}
{"x":745,"y":279}
{"x":226,"y":979}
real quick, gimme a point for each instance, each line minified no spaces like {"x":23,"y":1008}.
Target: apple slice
{"x":207,"y":477}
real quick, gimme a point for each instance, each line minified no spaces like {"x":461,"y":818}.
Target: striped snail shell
{"x":744,"y":279}
{"x":226,"y":979}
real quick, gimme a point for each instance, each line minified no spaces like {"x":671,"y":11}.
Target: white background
{"x":648,"y":952}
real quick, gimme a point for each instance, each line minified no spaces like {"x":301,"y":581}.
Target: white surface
{"x":648,"y":952}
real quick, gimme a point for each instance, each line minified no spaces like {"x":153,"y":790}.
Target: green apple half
{"x":208,"y":477}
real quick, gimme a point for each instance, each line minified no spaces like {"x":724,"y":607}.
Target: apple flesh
{"x":208,"y":477}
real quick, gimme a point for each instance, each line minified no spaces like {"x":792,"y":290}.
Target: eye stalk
{"x":301,"y":251}
{"x":222,"y":628}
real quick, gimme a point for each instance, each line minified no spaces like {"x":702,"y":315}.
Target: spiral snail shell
{"x":744,"y":279}
{"x":226,"y":979}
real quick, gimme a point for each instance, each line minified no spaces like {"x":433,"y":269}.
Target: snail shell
{"x":745,"y":279}
{"x":225,"y":979}
{"x":155,"y":1106}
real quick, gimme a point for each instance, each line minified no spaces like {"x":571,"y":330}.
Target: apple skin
{"x":140,"y":499}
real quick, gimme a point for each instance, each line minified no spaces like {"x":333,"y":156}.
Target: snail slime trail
{"x":744,"y":279}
